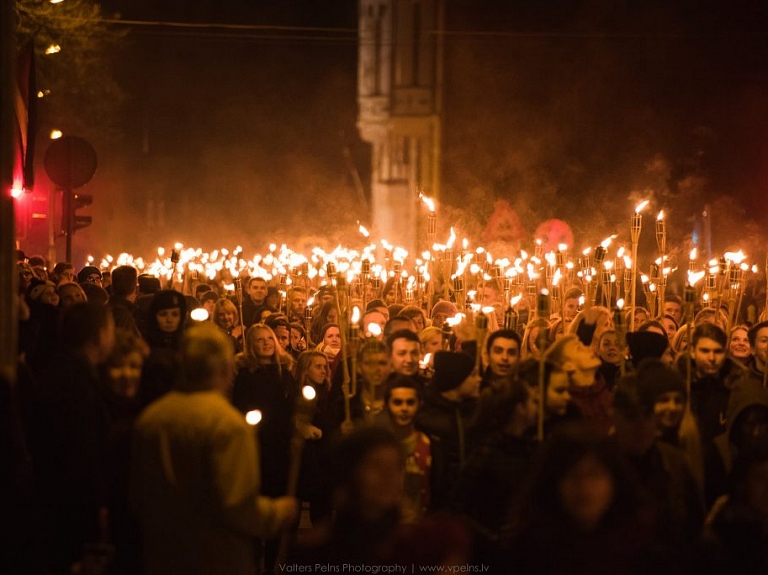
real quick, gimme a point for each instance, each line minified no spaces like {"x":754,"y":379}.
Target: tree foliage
{"x":80,"y":94}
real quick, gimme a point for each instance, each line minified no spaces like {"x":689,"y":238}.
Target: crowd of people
{"x":141,"y":436}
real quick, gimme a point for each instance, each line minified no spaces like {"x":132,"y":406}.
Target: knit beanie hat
{"x":167,"y":299}
{"x":451,"y":369}
{"x":644,"y":344}
{"x":86,"y":272}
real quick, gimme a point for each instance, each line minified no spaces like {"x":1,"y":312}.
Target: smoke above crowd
{"x":573,"y":112}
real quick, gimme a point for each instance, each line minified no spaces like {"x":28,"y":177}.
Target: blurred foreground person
{"x":67,"y":435}
{"x":368,"y":467}
{"x":737,"y":531}
{"x":195,"y":480}
{"x":582,"y":511}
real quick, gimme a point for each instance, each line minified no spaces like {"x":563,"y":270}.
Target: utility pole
{"x":9,"y":344}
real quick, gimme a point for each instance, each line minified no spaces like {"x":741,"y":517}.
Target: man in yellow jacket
{"x":195,"y":471}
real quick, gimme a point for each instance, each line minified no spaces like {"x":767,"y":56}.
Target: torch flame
{"x":355,"y":314}
{"x":451,"y":239}
{"x":694,"y":277}
{"x":660,"y":216}
{"x":455,"y":320}
{"x":429,"y":202}
{"x":735,"y":257}
{"x":641,"y":206}
{"x":607,"y":241}
{"x":364,"y":231}
{"x":515,"y":300}
{"x":620,"y":303}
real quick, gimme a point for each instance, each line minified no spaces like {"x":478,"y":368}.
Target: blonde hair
{"x":280,"y":357}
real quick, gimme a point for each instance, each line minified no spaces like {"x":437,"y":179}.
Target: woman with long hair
{"x":264,"y":382}
{"x":312,"y":369}
{"x":328,"y":313}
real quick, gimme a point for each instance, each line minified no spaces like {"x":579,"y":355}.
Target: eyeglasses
{"x":93,"y":279}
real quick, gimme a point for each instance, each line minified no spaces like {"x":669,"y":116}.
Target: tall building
{"x":399,"y":97}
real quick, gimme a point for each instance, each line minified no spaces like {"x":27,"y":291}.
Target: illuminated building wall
{"x":399,"y":84}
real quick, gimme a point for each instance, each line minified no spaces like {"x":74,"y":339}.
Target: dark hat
{"x":752,"y":333}
{"x":451,"y":369}
{"x":167,"y":299}
{"x":86,"y":272}
{"x":278,"y":320}
{"x":37,"y":261}
{"x":644,"y":344}
{"x":201,"y":289}
{"x":148,"y":283}
{"x":62,"y":267}
{"x":210,"y":295}
{"x":636,"y":393}
{"x":446,"y":307}
{"x":655,"y":378}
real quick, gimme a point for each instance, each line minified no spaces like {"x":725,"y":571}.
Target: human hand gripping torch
{"x":542,"y":312}
{"x":303,"y":413}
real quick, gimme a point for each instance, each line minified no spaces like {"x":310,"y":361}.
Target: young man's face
{"x":503,"y":356}
{"x":298,"y":304}
{"x":402,"y":406}
{"x":709,"y":356}
{"x":257,"y":289}
{"x":404,"y":356}
{"x":761,"y":346}
{"x":674,"y":309}
{"x":374,"y":367}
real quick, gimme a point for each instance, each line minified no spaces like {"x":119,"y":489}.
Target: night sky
{"x":554,"y":106}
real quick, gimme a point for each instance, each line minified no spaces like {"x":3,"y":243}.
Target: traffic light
{"x":70,"y":220}
{"x":81,"y":201}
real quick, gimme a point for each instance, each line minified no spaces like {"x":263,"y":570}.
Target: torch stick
{"x":742,"y":289}
{"x":305,"y":408}
{"x":661,"y":242}
{"x":542,"y":311}
{"x":635,"y":228}
{"x":343,"y":322}
{"x":365,"y":273}
{"x":481,"y":323}
{"x":239,"y":287}
{"x":690,"y":302}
